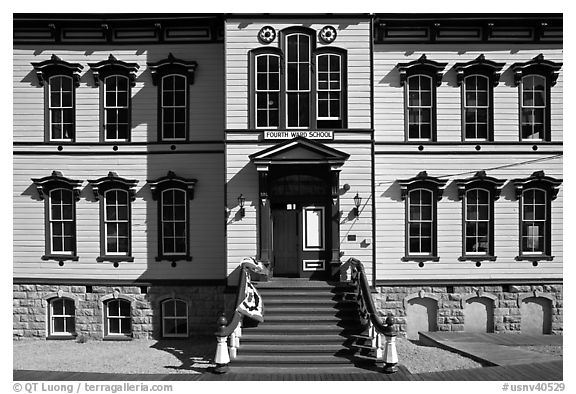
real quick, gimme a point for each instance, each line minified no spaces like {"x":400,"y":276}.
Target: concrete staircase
{"x":309,"y":326}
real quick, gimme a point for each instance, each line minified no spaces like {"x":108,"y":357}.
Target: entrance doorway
{"x":299,"y":240}
{"x":300,"y":201}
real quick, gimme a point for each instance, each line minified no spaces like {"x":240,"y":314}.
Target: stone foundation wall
{"x":507,"y":314}
{"x":31,"y":304}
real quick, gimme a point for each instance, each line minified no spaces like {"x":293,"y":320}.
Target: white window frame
{"x":117,"y":107}
{"x":488,"y":220}
{"x":185,"y":221}
{"x":533,"y":107}
{"x":522,"y":236}
{"x":61,"y":108}
{"x":298,"y":91}
{"x":266,"y":91}
{"x":63,"y":316}
{"x":164,"y":317}
{"x":430,"y":107}
{"x":431,"y":221}
{"x":322,"y":229}
{"x":185,"y":106}
{"x":119,"y":317}
{"x":62,"y":221}
{"x":117,"y":222}
{"x":328,"y":90}
{"x":485,"y":107}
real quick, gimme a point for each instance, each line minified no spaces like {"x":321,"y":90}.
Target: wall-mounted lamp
{"x":357,"y":202}
{"x":241,"y":200}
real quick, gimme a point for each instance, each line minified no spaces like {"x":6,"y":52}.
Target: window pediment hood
{"x":538,"y":65}
{"x":422,"y":65}
{"x":113,"y":66}
{"x":422,"y":180}
{"x":56,"y":66}
{"x":172,"y":65}
{"x":113,"y":181}
{"x":171,"y":180}
{"x":540,"y":180}
{"x":299,"y":151}
{"x":480,"y":65}
{"x":482,"y":181}
{"x":55,"y":181}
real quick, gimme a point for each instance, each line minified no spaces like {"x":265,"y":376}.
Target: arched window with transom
{"x":60,"y":80}
{"x":535,"y":79}
{"x":421,"y":194}
{"x":174,"y":318}
{"x":420,"y":79}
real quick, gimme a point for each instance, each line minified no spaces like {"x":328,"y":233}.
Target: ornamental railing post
{"x":390,"y":354}
{"x":222,"y":358}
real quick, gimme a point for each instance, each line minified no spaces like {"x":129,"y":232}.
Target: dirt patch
{"x":418,"y":358}
{"x":192,"y":355}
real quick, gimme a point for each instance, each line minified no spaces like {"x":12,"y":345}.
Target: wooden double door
{"x":300,"y":239}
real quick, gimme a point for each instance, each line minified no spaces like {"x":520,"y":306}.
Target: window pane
{"x":180,"y":326}
{"x":114,"y":326}
{"x":70,"y":325}
{"x":113,"y":308}
{"x":169,"y":326}
{"x":180,"y":308}
{"x":124,"y":308}
{"x":58,"y":324}
{"x":180,"y":245}
{"x":58,"y":307}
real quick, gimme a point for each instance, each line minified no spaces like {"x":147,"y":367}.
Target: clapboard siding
{"x":242,"y":177}
{"x":242,"y":36}
{"x":390,"y":218}
{"x":206,"y":226}
{"x":389,"y":95}
{"x":206,"y":96}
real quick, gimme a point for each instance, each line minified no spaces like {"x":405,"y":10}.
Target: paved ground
{"x":494,"y":349}
{"x":511,"y":364}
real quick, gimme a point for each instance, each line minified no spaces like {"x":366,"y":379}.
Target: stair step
{"x":329,"y":371}
{"x":289,"y":359}
{"x":361,"y":336}
{"x":282,"y":348}
{"x":290,"y":310}
{"x":363,"y":347}
{"x":304,"y":326}
{"x":304,"y":302}
{"x":291,"y":338}
{"x":364,"y":357}
{"x":298,"y":319}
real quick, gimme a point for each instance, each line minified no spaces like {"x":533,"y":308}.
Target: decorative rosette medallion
{"x":328,"y":34}
{"x":267,"y":34}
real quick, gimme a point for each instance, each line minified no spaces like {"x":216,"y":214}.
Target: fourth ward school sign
{"x":287,"y":135}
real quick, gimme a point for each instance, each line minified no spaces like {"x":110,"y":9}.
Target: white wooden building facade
{"x":152,"y":154}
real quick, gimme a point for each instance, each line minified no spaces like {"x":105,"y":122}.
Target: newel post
{"x":390,"y":354}
{"x":222,"y":358}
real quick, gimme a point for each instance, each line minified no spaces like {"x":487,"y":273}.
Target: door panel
{"x":286,"y":242}
{"x":314,"y":248}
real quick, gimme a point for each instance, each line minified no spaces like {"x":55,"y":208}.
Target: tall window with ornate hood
{"x":420,"y":79}
{"x":173,"y":77}
{"x":421,"y":194}
{"x":534,"y":80}
{"x":173,"y":194}
{"x":60,"y":80}
{"x":115,"y":78}
{"x":60,"y":195}
{"x":297,"y":85}
{"x":116,"y":195}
